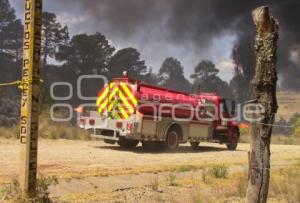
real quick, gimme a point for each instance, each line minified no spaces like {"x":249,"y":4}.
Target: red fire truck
{"x":130,"y":111}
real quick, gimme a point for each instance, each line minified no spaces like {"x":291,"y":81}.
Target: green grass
{"x":219,"y":171}
{"x":186,"y":168}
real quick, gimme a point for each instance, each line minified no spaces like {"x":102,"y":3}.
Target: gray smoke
{"x":295,"y":55}
{"x":288,"y":14}
{"x":197,"y":24}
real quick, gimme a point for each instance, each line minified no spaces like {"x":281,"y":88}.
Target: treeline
{"x":88,"y":54}
{"x":65,"y":58}
{"x":11,"y":37}
{"x":288,"y":127}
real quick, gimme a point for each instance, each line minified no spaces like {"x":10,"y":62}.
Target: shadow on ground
{"x":181,"y":149}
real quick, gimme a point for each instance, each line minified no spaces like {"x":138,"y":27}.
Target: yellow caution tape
{"x":20,"y":84}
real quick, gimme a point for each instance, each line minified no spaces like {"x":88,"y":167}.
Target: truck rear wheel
{"x":231,"y":147}
{"x":172,"y":141}
{"x":195,"y":145}
{"x":128,"y":144}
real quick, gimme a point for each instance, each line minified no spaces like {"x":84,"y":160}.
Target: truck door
{"x":228,"y":108}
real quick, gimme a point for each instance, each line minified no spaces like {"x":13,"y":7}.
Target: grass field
{"x":289,"y":104}
{"x":91,"y":171}
{"x":50,"y":130}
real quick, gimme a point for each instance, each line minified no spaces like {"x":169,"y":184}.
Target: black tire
{"x":233,"y":142}
{"x":195,"y":145}
{"x":172,"y":141}
{"x":231,"y":147}
{"x":127,"y":144}
{"x":109,"y":141}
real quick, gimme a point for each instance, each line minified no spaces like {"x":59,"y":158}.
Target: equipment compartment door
{"x":149,"y":128}
{"x":199,"y":131}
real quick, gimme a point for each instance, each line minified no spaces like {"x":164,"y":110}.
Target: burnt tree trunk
{"x":265,"y":93}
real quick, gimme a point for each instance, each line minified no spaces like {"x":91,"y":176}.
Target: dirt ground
{"x":83,"y":167}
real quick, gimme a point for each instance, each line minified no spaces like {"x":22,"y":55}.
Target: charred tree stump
{"x":265,"y":92}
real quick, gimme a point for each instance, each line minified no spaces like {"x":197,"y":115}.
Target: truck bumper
{"x":115,"y":136}
{"x":110,"y":129}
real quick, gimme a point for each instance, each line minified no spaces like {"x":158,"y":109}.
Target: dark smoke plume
{"x":200,"y":22}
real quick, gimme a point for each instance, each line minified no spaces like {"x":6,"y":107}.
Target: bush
{"x":295,"y":122}
{"x":12,"y":191}
{"x":43,"y":184}
{"x":185,"y":168}
{"x":219,"y":171}
{"x":280,"y":128}
{"x":297,"y":132}
{"x":171,"y":179}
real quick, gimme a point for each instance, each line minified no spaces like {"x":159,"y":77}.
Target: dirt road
{"x":83,"y":165}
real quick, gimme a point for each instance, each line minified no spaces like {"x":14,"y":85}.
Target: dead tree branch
{"x":265,"y":91}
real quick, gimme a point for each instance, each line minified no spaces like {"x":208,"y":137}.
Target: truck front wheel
{"x":195,"y":145}
{"x":172,"y":141}
{"x":109,"y":141}
{"x":233,"y":140}
{"x":128,"y":144}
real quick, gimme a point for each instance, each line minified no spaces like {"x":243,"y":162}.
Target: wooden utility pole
{"x":30,"y":96}
{"x":265,"y":93}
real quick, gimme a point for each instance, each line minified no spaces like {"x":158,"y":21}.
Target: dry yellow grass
{"x":51,"y":130}
{"x":9,"y":132}
{"x":90,"y":171}
{"x":289,"y":104}
{"x":190,"y":180}
{"x":284,"y":187}
{"x":191,"y":187}
{"x":80,"y":159}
